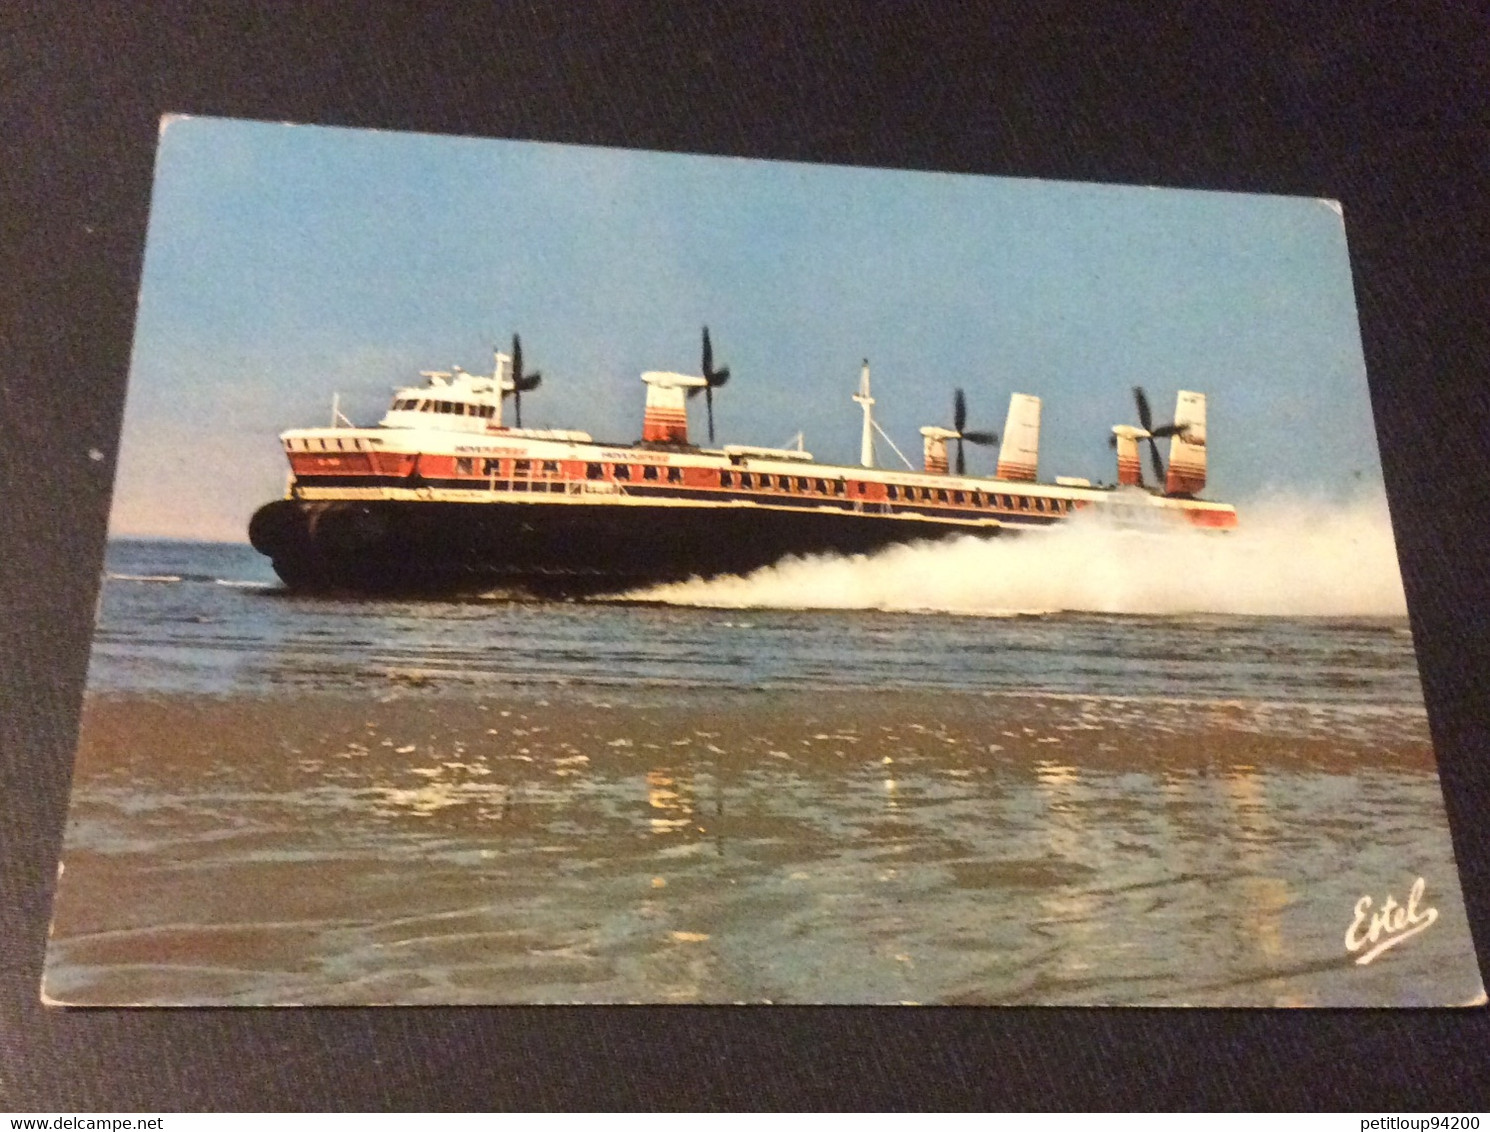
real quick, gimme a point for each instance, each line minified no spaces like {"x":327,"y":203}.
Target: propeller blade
{"x":1145,"y":418}
{"x":1166,"y":430}
{"x":517,"y":380}
{"x":1158,"y":463}
{"x":959,"y":410}
{"x":961,"y":463}
{"x":981,"y":437}
{"x":714,"y":377}
{"x":709,"y":401}
{"x":1112,"y":440}
{"x":527,"y":382}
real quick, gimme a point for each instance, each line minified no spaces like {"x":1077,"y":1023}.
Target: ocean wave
{"x":188,"y":577}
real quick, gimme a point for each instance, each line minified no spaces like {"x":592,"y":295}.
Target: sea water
{"x":1068,"y":838}
{"x":212,"y":618}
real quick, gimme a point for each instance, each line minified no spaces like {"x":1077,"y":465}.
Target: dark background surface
{"x":1383,"y":106}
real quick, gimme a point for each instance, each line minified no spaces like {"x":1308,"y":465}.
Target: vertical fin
{"x":1019,"y":454}
{"x":934,"y":449}
{"x":1187,"y":448}
{"x":665,"y":418}
{"x":1129,"y":468}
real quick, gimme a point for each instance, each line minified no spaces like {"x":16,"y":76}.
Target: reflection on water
{"x":672,"y":799}
{"x":286,"y":800}
{"x":901,"y":858}
{"x":1256,"y":834}
{"x":1071,"y":916}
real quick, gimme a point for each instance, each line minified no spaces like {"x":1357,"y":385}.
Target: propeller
{"x":714,"y":378}
{"x":959,"y":425}
{"x":521,"y":382}
{"x":1146,"y":419}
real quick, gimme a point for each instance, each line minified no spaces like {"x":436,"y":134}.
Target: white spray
{"x":1289,"y":557}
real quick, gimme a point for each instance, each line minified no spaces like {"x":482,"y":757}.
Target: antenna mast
{"x":866,"y":441}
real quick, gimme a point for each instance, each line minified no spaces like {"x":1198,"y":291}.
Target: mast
{"x":866,"y":440}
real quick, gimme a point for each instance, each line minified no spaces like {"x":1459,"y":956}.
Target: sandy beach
{"x":426,"y":845}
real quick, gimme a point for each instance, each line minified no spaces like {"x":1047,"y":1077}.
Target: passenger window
{"x":675,"y":475}
{"x":521,"y":467}
{"x":551,"y":467}
{"x":726,"y":479}
{"x":941,"y":495}
{"x":490,"y":467}
{"x":745,"y":479}
{"x":593,"y":471}
{"x":958,"y":497}
{"x":891,"y":491}
{"x":802,"y":484}
{"x":622,"y":471}
{"x":650,"y":472}
{"x":464,"y":465}
{"x":822,"y":486}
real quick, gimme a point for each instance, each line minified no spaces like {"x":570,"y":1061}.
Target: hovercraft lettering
{"x":1388,"y":925}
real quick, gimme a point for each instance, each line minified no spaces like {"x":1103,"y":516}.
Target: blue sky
{"x":287,"y":263}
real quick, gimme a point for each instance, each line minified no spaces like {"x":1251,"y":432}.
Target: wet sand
{"x":556,"y":845}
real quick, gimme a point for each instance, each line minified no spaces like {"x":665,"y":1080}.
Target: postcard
{"x":547,"y":574}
